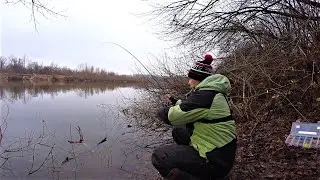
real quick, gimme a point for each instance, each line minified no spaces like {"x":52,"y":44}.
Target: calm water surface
{"x":38,"y":121}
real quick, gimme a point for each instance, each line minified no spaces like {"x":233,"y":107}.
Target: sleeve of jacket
{"x":193,"y":108}
{"x":162,"y":113}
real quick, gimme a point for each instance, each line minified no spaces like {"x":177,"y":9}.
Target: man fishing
{"x":204,"y":132}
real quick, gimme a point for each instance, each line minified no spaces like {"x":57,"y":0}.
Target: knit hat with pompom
{"x":201,"y":69}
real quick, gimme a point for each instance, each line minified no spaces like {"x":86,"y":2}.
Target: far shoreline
{"x":65,"y":79}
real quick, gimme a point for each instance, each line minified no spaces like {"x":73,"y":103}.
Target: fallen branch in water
{"x":50,"y":152}
{"x":66,"y":160}
{"x":0,"y":135}
{"x":102,"y":141}
{"x":81,"y":137}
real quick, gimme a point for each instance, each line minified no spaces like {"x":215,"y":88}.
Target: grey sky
{"x":79,"y":37}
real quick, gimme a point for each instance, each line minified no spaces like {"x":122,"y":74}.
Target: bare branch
{"x":37,"y":7}
{"x":33,"y":171}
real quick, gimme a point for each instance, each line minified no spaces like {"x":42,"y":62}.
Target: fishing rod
{"x":108,"y":42}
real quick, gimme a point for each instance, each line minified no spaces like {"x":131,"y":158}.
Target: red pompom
{"x":207,"y":59}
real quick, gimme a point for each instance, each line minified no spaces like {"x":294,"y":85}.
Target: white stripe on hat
{"x":209,"y":73}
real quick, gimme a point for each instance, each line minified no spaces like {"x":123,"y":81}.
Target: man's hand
{"x":171,"y":99}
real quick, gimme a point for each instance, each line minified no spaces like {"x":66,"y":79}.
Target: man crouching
{"x":205,"y":131}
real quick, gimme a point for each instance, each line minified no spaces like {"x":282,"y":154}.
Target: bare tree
{"x":214,"y":23}
{"x":2,"y":63}
{"x":40,"y":7}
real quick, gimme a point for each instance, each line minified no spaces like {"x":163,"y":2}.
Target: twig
{"x":102,"y":141}
{"x":34,"y":147}
{"x":36,"y":6}
{"x":74,"y":155}
{"x":4,"y":162}
{"x":52,"y":163}
{"x":80,"y":136}
{"x":66,"y":160}
{"x":8,"y":169}
{"x":50,"y":152}
{"x":7,"y":114}
{"x":0,"y":136}
{"x":312,"y":79}
{"x":125,"y":160}
{"x":304,"y":118}
{"x":4,"y":121}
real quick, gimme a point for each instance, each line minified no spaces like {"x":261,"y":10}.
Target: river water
{"x":37,"y":121}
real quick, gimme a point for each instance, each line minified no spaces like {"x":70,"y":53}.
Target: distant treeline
{"x":84,"y":72}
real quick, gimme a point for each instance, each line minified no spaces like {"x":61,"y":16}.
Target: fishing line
{"x":108,"y":42}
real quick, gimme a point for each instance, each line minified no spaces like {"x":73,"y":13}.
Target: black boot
{"x":176,"y":174}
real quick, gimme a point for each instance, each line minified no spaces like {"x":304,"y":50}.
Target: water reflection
{"x":42,"y":116}
{"x":27,"y":91}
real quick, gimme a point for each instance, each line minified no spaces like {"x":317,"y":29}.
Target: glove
{"x":173,"y":100}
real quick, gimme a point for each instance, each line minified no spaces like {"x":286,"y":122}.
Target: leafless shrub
{"x":269,"y":51}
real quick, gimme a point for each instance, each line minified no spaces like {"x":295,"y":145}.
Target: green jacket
{"x":206,"y":107}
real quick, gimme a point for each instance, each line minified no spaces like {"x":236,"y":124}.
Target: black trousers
{"x":182,"y":161}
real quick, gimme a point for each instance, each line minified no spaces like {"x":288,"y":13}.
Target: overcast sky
{"x":78,"y":38}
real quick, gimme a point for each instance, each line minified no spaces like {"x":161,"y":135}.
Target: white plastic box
{"x":305,"y":135}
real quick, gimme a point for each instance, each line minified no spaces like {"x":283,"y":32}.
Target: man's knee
{"x":155,"y":158}
{"x":160,"y":162}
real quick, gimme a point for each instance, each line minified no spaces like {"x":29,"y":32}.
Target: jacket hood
{"x":216,"y":82}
